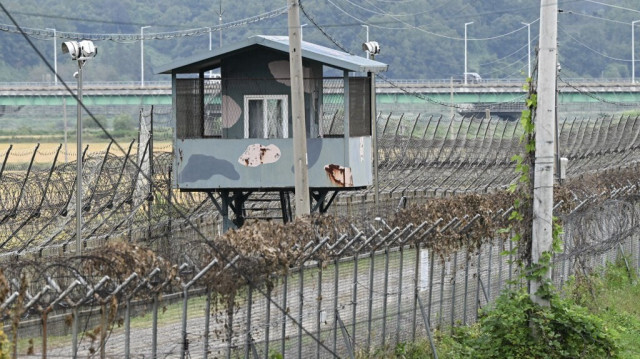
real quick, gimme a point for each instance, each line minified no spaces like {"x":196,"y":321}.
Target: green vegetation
{"x":597,"y":317}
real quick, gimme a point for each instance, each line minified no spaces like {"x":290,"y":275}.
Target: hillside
{"x":419,"y":38}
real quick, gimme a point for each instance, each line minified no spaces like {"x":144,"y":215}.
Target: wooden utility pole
{"x":545,"y":138}
{"x":300,"y":165}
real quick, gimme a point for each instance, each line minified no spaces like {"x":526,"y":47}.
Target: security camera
{"x":372,"y":46}
{"x":75,"y":75}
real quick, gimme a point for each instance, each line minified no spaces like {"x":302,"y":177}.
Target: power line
{"x":597,"y":17}
{"x":418,"y":28}
{"x":40,"y":33}
{"x":594,"y":96}
{"x":382,"y":77}
{"x":591,"y":49}
{"x":507,"y":56}
{"x":613,"y":6}
{"x":90,"y":20}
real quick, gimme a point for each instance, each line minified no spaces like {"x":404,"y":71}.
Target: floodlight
{"x":372,"y":46}
{"x":80,"y":50}
{"x":72,"y":48}
{"x":88,"y":48}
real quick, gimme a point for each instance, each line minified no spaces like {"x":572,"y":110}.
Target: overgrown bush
{"x":515,"y":327}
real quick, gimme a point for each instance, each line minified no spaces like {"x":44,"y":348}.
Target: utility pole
{"x":300,"y":164}
{"x":545,"y":138}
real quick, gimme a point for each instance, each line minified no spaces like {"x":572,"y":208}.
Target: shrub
{"x":518,"y":328}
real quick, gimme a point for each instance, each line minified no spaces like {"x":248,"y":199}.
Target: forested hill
{"x":420,"y":39}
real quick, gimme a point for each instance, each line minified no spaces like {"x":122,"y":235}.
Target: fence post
{"x":370,"y":307}
{"x":385,"y":294}
{"x":399,"y":303}
{"x":319,"y":308}
{"x":335,"y":303}
{"x":284,"y":316}
{"x":416,"y":290}
{"x":453,"y":289}
{"x":300,"y":305}
{"x":267,"y":335}
{"x":154,"y":326}
{"x":127,"y":329}
{"x":247,"y":344}
{"x":207,"y":315}
{"x":354,"y":299}
{"x":466,"y":287}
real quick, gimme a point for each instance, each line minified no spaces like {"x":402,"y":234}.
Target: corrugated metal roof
{"x":330,"y":57}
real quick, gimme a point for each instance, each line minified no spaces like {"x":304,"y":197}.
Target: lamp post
{"x":55,"y":57}
{"x":220,"y":12}
{"x":465,"y":50}
{"x":633,"y":51}
{"x":142,"y":55}
{"x":81,"y":52}
{"x":367,"y":38}
{"x":528,"y":48}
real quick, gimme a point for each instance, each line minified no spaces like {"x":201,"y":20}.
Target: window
{"x":266,"y":116}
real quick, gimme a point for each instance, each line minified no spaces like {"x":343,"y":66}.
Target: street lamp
{"x":528,"y":48}
{"x":465,"y":50}
{"x":55,"y":57}
{"x":367,"y":39}
{"x":142,"y":55}
{"x":633,"y":51}
{"x":81,"y":52}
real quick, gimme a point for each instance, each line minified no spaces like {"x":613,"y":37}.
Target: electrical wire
{"x":613,"y":6}
{"x":382,"y":77}
{"x":511,"y":54}
{"x":594,"y":96}
{"x":381,"y":13}
{"x":597,"y":17}
{"x":85,"y":19}
{"x":39,"y":33}
{"x":591,"y":49}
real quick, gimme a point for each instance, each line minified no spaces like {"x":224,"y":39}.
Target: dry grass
{"x":22,"y":152}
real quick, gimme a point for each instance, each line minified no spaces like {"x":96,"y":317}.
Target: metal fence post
{"x":267,"y":336}
{"x":399,"y":303}
{"x":335,"y":304}
{"x":207,"y":315}
{"x":354,"y":299}
{"x":453,"y":289}
{"x":247,"y":343}
{"x":370,"y":307}
{"x":319,"y":308}
{"x":416,"y":291}
{"x":385,"y":294}
{"x":127,"y":329}
{"x":466,"y":287}
{"x":300,"y":307}
{"x":284,"y":315}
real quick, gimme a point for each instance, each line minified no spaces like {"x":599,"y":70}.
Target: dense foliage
{"x":419,"y":38}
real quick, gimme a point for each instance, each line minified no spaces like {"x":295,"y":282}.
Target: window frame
{"x":264,"y":98}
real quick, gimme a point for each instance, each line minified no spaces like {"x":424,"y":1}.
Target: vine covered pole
{"x":542,"y":231}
